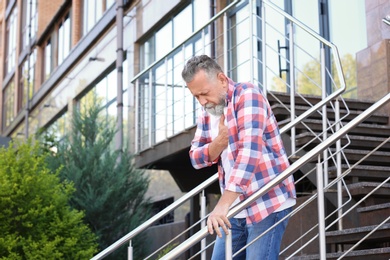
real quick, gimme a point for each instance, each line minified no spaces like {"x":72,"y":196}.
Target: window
{"x":92,"y":12}
{"x":105,"y":91}
{"x":48,"y":62}
{"x":57,"y":46}
{"x":10,"y":58}
{"x":27,"y":80}
{"x":9,"y":104}
{"x":165,"y":105}
{"x":174,"y":32}
{"x":29,"y":21}
{"x":58,"y":129}
{"x":64,"y":39}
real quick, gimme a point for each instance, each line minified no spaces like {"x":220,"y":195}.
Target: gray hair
{"x":197,"y":63}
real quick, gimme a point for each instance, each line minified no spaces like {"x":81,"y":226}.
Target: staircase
{"x":372,"y":214}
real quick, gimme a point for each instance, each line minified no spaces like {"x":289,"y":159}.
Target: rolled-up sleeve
{"x":199,"y":151}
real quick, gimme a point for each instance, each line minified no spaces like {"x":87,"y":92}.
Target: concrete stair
{"x":360,"y":181}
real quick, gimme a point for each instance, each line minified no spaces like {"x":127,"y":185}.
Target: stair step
{"x":376,"y":158}
{"x":282,"y":111}
{"x":374,"y":207}
{"x":353,"y":235}
{"x":367,"y":254}
{"x":363,"y":172}
{"x":361,"y":129}
{"x":361,"y":189}
{"x":353,"y":156}
{"x":352,"y":104}
{"x":355,"y":141}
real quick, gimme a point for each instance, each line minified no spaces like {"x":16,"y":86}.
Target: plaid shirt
{"x":255,"y":151}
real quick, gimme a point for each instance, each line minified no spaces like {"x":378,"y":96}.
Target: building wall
{"x":373,"y":63}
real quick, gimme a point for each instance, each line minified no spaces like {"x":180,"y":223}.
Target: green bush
{"x":36,"y":221}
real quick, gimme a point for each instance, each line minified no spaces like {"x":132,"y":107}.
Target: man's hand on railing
{"x":218,"y":217}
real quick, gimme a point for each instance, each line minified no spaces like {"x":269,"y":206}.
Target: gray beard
{"x":216,"y":110}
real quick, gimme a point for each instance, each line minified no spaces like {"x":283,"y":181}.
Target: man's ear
{"x":222,"y":78}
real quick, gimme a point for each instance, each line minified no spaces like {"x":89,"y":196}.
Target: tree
{"x":310,"y":77}
{"x":108,"y":187}
{"x":36,"y":221}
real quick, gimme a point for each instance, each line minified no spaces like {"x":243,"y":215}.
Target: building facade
{"x":55,"y":52}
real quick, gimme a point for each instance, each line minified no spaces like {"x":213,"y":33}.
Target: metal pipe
{"x":225,"y":45}
{"x":27,"y":114}
{"x":251,"y":3}
{"x":136,"y":117}
{"x":263,"y":49}
{"x":338,"y":166}
{"x":321,"y":210}
{"x":119,"y":69}
{"x":228,"y":245}
{"x":292,"y":83}
{"x":203,"y":224}
{"x":150,"y":114}
{"x":324,"y":113}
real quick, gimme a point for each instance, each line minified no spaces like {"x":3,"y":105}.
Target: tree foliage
{"x":36,"y":221}
{"x":108,"y":187}
{"x":309,"y":78}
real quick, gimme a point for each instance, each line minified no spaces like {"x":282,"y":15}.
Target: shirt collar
{"x":230,"y":91}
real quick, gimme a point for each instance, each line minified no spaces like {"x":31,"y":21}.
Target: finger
{"x":222,"y":119}
{"x":210,"y":227}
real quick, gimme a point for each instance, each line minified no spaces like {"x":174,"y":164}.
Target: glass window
{"x":164,"y":40}
{"x":175,"y":31}
{"x":29,"y":21}
{"x":9,"y":104}
{"x":48,"y":60}
{"x":92,"y":12}
{"x":166,"y":106}
{"x":58,"y":129}
{"x":64,"y":39}
{"x":11,"y":41}
{"x":27,"y":80}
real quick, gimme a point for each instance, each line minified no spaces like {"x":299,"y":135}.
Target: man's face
{"x":211,"y":93}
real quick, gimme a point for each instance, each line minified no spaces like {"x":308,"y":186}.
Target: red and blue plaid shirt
{"x":255,"y":151}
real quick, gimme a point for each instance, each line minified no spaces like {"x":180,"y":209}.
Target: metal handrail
{"x":156,"y":217}
{"x":288,"y":172}
{"x":202,"y":186}
{"x":214,"y":177}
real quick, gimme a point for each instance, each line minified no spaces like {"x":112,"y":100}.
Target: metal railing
{"x":288,"y":172}
{"x":155,"y":124}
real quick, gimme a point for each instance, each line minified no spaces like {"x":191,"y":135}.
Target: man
{"x":237,"y":130}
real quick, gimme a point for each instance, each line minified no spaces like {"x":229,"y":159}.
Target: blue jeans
{"x":265,"y":248}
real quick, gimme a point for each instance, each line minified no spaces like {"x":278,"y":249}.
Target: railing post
{"x":321,"y":210}
{"x":130,"y":251}
{"x":324,"y":112}
{"x":136,"y":117}
{"x":203,"y":224}
{"x":251,"y":3}
{"x":166,"y":98}
{"x":228,"y":245}
{"x":225,"y":44}
{"x":338,"y":166}
{"x":150,"y":114}
{"x":263,"y":49}
{"x":292,"y":83}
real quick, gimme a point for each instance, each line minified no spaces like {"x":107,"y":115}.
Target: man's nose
{"x":202,"y":101}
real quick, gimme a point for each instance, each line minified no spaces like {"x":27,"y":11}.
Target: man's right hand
{"x":220,"y":142}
